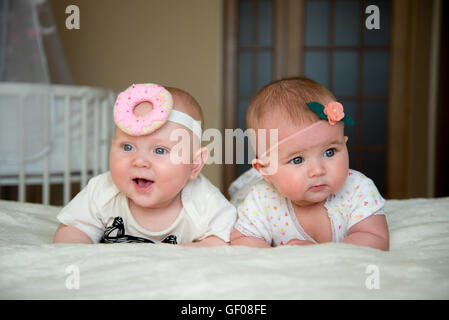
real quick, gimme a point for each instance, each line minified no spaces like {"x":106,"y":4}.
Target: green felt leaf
{"x":318,"y":108}
{"x":348,"y":120}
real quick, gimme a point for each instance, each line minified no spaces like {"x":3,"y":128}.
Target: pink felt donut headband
{"x":162,"y":111}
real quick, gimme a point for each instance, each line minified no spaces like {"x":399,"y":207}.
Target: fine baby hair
{"x":288,"y":97}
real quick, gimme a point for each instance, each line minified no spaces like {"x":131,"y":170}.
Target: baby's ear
{"x":262,"y":168}
{"x":198,"y":162}
{"x":346,"y":139}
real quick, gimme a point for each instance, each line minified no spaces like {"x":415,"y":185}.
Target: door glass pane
{"x":381,"y":36}
{"x":375,"y":73}
{"x":374,"y":122}
{"x":245,"y":22}
{"x":263,"y":68}
{"x":375,"y":167}
{"x":244,"y":73}
{"x":316,"y":66}
{"x":317,"y":23}
{"x":345,"y":73}
{"x":347,"y":23}
{"x":265,"y":33}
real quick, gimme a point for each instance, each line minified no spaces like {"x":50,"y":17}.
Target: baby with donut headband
{"x":146,"y":197}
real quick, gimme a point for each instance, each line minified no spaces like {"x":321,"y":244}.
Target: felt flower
{"x":334,"y":112}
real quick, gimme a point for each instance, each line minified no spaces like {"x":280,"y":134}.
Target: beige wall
{"x":171,"y":42}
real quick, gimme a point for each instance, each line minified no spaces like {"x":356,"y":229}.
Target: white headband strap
{"x":187,"y":121}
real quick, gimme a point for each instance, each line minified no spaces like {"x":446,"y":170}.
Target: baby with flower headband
{"x":306,"y":193}
{"x":154,"y":192}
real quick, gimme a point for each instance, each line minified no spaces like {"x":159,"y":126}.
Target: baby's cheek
{"x":114,"y":169}
{"x":173,"y":173}
{"x":117,"y":174}
{"x":339,"y":177}
{"x":290,"y":188}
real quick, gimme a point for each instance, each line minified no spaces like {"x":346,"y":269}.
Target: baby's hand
{"x":297,"y":242}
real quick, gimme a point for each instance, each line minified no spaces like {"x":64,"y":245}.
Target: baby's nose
{"x":141,"y":162}
{"x":316,"y":168}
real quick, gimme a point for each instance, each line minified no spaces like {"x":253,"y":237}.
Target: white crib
{"x":68,"y":136}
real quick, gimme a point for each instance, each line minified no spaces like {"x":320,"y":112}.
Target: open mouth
{"x":142,"y":185}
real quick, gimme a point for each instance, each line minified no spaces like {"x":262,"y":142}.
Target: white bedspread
{"x":416,"y":267}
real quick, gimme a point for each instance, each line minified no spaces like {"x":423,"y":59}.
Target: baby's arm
{"x":210,"y":241}
{"x":370,"y":232}
{"x":297,"y":242}
{"x":69,"y":234}
{"x":239,"y":239}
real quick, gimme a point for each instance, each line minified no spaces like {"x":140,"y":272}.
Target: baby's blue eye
{"x":297,"y":160}
{"x":160,"y":151}
{"x":329,"y":152}
{"x":128,"y":147}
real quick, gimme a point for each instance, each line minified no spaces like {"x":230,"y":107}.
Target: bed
{"x":416,"y":267}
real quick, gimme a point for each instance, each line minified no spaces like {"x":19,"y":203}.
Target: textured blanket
{"x":416,"y":267}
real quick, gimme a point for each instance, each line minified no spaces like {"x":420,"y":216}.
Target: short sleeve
{"x":209,"y":210}
{"x":221,"y":216}
{"x":252,"y":221}
{"x":83,"y":211}
{"x":365,"y":200}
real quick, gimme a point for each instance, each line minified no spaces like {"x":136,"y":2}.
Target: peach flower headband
{"x":332,"y":112}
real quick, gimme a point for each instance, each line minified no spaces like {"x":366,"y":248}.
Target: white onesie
{"x":205,"y":212}
{"x":265,"y":213}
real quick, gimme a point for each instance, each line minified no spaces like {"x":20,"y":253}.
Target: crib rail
{"x":101,"y":101}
